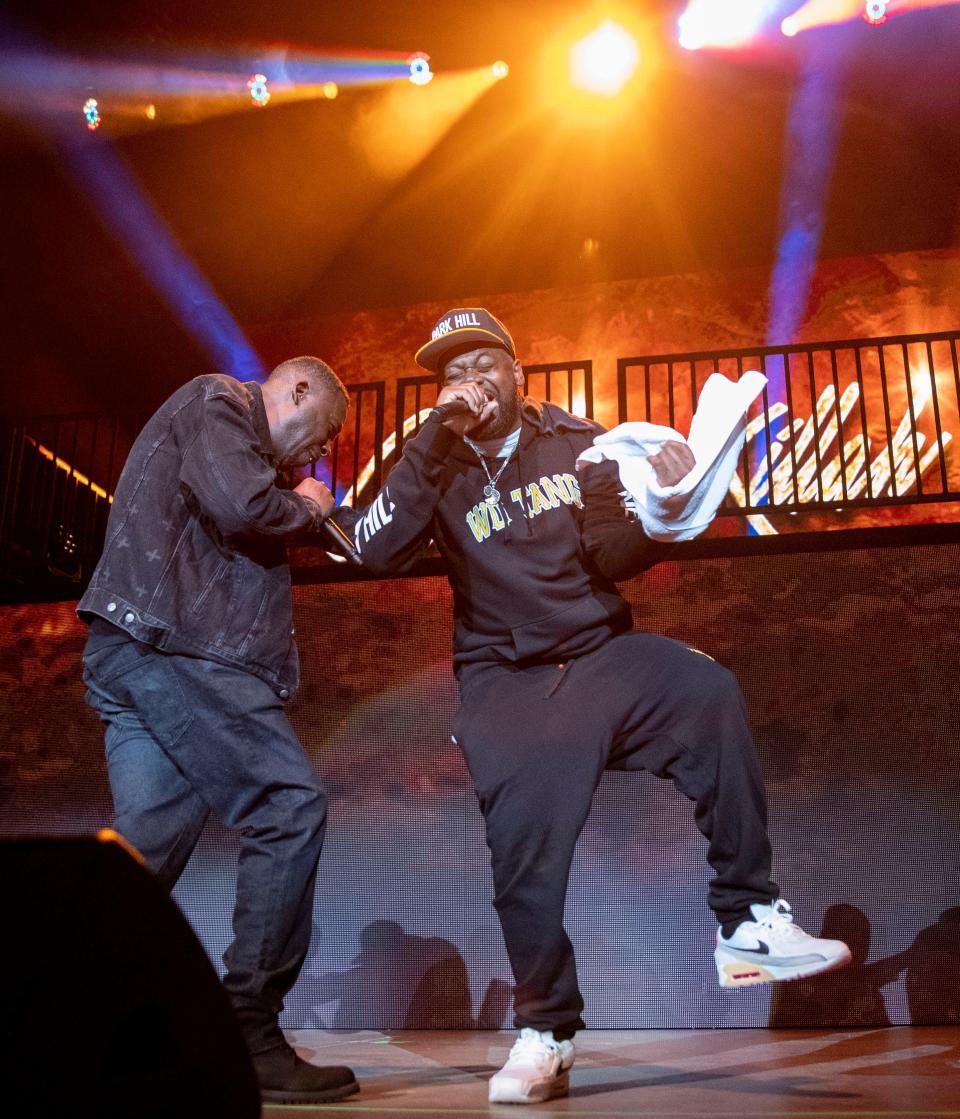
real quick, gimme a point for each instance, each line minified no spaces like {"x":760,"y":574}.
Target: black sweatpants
{"x":536,"y":741}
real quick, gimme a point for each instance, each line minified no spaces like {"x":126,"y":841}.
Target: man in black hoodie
{"x":555,"y":686}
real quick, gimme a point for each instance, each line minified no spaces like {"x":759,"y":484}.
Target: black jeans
{"x":185,"y":737}
{"x":536,"y":741}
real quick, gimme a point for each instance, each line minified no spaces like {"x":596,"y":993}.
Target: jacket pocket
{"x":212,"y":583}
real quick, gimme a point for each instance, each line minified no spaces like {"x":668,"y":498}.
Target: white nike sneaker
{"x":537,"y":1069}
{"x":771,"y":948}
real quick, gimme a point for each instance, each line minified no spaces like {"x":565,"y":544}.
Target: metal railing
{"x":58,"y":474}
{"x":360,"y":447}
{"x":840,"y":425}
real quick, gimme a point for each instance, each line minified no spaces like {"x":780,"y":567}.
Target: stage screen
{"x":848,"y":660}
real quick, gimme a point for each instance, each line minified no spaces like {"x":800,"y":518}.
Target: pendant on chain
{"x":491,"y":494}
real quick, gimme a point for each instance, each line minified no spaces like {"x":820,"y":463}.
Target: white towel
{"x":717,"y":431}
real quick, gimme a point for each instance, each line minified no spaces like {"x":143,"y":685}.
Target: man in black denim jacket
{"x":191,"y":656}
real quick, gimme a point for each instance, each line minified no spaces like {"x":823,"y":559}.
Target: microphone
{"x":451,"y":408}
{"x":343,"y":544}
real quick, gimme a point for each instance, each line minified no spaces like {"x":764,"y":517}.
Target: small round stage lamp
{"x":875,"y":12}
{"x":91,"y":113}
{"x":420,"y":72}
{"x":330,"y":90}
{"x":790,"y":27}
{"x":500,"y":70}
{"x":259,"y":93}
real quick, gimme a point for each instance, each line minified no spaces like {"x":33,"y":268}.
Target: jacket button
{"x":129,"y":617}
{"x":284,"y":693}
{"x":111,"y":606}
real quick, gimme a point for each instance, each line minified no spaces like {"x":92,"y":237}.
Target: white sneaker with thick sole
{"x":537,"y":1069}
{"x":771,"y":949}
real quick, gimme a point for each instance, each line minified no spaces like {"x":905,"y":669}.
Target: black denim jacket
{"x":195,"y":556}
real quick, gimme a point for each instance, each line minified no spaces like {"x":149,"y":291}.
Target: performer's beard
{"x":503,"y":420}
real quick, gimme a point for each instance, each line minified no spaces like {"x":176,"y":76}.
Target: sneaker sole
{"x":331,"y":1095}
{"x":737,"y":973}
{"x":510,"y":1091}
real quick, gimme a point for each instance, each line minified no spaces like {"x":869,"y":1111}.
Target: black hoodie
{"x":532,"y":578}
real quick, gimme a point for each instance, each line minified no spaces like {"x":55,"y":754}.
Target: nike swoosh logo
{"x":763,"y":950}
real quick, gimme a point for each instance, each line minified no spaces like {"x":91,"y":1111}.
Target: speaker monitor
{"x":112,"y":1003}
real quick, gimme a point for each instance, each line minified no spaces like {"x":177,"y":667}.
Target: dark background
{"x":282,"y":212}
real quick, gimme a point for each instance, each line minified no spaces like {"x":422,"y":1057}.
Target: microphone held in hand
{"x":342,"y":544}
{"x":451,"y":408}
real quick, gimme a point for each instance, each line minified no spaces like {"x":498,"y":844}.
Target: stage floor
{"x":681,"y":1074}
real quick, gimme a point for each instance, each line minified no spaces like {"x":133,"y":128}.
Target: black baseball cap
{"x":463,"y":324}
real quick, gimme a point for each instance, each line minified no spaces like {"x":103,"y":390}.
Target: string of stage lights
{"x":196,"y":86}
{"x":731,"y":24}
{"x":602,"y":61}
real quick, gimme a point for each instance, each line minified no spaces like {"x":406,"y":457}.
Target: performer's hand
{"x":319,"y":493}
{"x":473,"y":396}
{"x":673,"y":463}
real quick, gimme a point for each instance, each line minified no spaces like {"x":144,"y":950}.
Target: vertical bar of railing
{"x":745,"y":450}
{"x":863,"y":422}
{"x":938,"y":426}
{"x":335,"y":460}
{"x":588,"y":388}
{"x":8,"y":435}
{"x":767,"y":437}
{"x":90,"y":519}
{"x":111,"y":480}
{"x":648,"y":392}
{"x":788,"y":386}
{"x":671,"y":404}
{"x":49,"y":494}
{"x":956,"y":372}
{"x":570,"y":390}
{"x":378,"y":417}
{"x":836,"y":405}
{"x":815,"y":419}
{"x":12,"y":476}
{"x":357,"y":428}
{"x":69,"y":489}
{"x":621,"y":390}
{"x":33,"y":493}
{"x":693,"y":385}
{"x":399,"y":406}
{"x":913,"y":418}
{"x":886,"y":420}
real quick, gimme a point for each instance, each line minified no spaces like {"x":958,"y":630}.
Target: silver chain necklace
{"x":490,"y":492}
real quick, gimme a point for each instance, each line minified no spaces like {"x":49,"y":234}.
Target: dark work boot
{"x":286,"y":1078}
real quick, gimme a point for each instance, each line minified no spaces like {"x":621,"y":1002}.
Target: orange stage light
{"x":604,"y":61}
